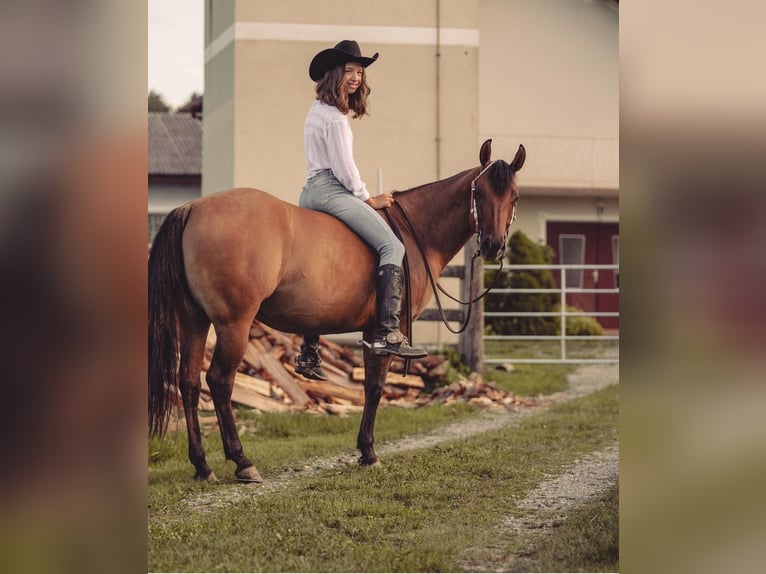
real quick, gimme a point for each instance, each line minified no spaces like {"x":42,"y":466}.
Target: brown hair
{"x":330,"y":91}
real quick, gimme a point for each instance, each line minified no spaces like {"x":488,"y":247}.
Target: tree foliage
{"x":523,"y":251}
{"x":157,"y":102}
{"x":191,"y":98}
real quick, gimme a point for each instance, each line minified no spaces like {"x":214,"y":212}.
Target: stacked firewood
{"x":266,"y":380}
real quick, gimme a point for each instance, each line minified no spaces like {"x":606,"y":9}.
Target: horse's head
{"x":493,"y":200}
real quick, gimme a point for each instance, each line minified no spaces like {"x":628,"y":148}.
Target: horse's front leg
{"x":375,"y":371}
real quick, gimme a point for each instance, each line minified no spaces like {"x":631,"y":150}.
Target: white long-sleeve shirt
{"x":328,"y":143}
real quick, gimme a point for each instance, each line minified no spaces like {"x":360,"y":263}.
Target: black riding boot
{"x":308,"y":363}
{"x":389,"y":340}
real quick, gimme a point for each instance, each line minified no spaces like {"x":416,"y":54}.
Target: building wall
{"x":218,"y":120}
{"x":549,"y":77}
{"x":535,"y":211}
{"x":546,"y":75}
{"x":260,"y":63}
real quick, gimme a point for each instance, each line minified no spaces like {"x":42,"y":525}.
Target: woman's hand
{"x":380,"y":201}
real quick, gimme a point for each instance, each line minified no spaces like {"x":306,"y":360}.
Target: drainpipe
{"x":437,"y":135}
{"x":438,"y":90}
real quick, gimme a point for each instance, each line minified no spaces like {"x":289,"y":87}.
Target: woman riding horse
{"x":334,"y":186}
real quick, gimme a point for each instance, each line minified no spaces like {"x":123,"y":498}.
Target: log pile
{"x":266,"y":380}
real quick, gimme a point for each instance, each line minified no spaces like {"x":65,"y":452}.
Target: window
{"x":616,"y":259}
{"x":572,"y":252}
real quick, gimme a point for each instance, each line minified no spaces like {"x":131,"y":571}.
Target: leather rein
{"x":472,"y":298}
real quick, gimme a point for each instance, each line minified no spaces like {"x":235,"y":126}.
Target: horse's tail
{"x":168,"y":291}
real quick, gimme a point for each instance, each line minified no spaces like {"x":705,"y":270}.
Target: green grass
{"x":425,"y":510}
{"x":263,"y":435}
{"x":281,"y":441}
{"x":575,"y":349}
{"x":530,"y":380}
{"x":588,"y":538}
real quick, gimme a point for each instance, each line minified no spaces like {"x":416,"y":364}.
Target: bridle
{"x":474,"y":212}
{"x":474,"y":206}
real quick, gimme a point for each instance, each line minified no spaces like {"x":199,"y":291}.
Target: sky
{"x":176,"y":49}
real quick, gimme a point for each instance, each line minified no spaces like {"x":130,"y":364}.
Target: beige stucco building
{"x":451,"y":73}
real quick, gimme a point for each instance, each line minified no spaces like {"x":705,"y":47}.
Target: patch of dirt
{"x":584,"y":381}
{"x":554,"y":498}
{"x":551,"y":501}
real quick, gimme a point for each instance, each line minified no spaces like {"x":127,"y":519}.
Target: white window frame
{"x":575,"y":274}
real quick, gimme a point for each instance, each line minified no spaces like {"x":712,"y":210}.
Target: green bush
{"x":523,"y":251}
{"x":581,"y":325}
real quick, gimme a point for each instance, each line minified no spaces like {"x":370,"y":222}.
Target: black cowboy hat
{"x":344,"y":51}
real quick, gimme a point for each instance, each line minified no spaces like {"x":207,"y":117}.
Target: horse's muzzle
{"x":492,"y":249}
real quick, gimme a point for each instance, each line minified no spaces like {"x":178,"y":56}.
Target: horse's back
{"x":245,"y":250}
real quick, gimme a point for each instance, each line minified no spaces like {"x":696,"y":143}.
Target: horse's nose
{"x":492,"y":249}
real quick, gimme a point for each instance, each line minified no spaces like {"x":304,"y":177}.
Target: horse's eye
{"x":516,"y":199}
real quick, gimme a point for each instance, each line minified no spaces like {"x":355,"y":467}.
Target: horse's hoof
{"x":249,"y":474}
{"x":374,"y":463}
{"x":211,"y":478}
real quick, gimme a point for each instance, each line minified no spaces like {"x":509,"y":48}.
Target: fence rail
{"x":473,"y":339}
{"x":563,"y":313}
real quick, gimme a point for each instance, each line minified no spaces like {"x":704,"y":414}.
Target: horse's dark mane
{"x":500,"y":175}
{"x":439,"y":182}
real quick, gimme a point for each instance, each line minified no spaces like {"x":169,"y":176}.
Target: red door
{"x":588,"y":243}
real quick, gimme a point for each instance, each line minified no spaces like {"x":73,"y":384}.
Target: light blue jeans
{"x":325,"y":193}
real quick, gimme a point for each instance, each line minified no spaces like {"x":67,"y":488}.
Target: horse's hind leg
{"x":375,"y":371}
{"x":195,"y":329}
{"x":228,"y":354}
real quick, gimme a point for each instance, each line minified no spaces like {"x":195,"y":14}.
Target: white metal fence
{"x":562,"y":339}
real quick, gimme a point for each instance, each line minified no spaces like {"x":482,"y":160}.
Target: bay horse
{"x":243,"y":254}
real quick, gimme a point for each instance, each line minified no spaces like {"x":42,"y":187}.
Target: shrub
{"x":581,"y":325}
{"x":523,"y":251}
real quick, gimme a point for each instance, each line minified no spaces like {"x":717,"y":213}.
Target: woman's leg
{"x":309,"y":363}
{"x":329,"y":196}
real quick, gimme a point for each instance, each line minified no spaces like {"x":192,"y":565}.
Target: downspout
{"x":438,"y":90}
{"x":438,"y":123}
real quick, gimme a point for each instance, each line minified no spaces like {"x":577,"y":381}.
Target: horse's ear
{"x":518,"y":160}
{"x":486,"y":152}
